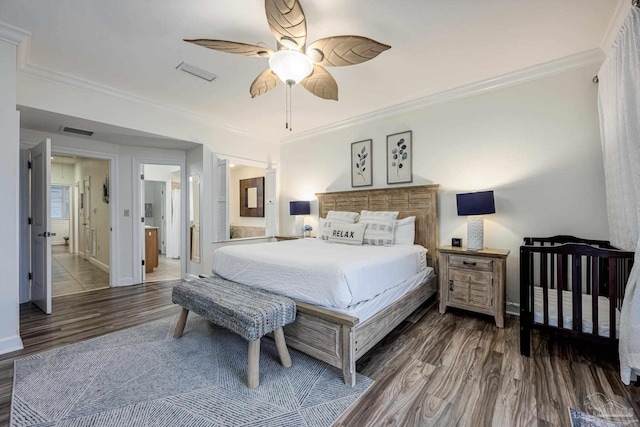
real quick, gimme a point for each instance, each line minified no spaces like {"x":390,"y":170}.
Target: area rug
{"x":581,"y":419}
{"x":144,"y":377}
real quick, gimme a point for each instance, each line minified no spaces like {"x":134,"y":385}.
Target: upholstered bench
{"x":249,"y":312}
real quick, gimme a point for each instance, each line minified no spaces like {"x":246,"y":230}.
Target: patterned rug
{"x":144,"y":377}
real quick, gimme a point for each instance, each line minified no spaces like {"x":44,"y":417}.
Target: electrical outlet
{"x":126,"y":212}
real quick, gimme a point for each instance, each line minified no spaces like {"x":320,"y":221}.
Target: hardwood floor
{"x":453,"y":369}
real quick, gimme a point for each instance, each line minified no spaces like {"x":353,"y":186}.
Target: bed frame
{"x":581,"y":266}
{"x":338,"y":339}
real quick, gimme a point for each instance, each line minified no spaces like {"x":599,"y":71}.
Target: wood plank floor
{"x":453,"y":369}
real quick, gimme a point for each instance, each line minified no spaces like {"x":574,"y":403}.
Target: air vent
{"x":76,"y":131}
{"x":195,"y":71}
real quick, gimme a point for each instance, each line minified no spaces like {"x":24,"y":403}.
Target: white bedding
{"x":567,"y":311}
{"x":318,"y":272}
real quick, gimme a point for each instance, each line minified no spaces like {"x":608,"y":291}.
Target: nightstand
{"x":473,"y":280}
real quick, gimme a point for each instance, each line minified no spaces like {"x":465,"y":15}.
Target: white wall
{"x":537,"y":145}
{"x":9,"y":194}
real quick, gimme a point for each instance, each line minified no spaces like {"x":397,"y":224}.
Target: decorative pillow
{"x":350,"y":217}
{"x":379,"y":232}
{"x":349,"y":234}
{"x":405,"y":231}
{"x":324,"y":226}
{"x":378,"y":215}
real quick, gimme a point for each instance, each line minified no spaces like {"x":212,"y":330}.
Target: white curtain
{"x":619,"y":106}
{"x":173,"y":225}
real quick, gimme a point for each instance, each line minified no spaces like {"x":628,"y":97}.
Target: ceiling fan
{"x":294,"y":62}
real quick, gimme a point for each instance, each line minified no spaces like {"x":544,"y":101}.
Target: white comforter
{"x":317,"y":272}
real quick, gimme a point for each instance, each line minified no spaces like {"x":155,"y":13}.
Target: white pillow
{"x":379,"y":232}
{"x":350,"y":217}
{"x":349,"y":234}
{"x":324,"y":226}
{"x":378,"y":215}
{"x":405,"y":231}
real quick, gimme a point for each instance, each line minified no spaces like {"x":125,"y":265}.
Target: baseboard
{"x":100,"y":265}
{"x":513,"y":308}
{"x":9,"y":344}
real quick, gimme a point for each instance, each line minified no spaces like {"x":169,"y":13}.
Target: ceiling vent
{"x":195,"y":71}
{"x":76,"y":131}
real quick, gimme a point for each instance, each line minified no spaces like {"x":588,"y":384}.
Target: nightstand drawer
{"x":471,"y":263}
{"x":478,"y":280}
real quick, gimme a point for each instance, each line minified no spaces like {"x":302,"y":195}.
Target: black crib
{"x":572,"y":287}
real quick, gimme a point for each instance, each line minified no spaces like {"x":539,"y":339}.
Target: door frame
{"x":114,"y":266}
{"x":137,"y":213}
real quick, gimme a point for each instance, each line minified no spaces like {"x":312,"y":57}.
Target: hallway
{"x":71,"y":274}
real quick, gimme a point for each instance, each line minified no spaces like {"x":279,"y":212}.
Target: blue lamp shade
{"x":480,"y":203}
{"x":300,"y":208}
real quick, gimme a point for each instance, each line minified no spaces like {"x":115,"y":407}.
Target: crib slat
{"x":612,"y":298}
{"x":545,"y":287}
{"x":595,"y":285}
{"x":577,"y":293}
{"x":561,"y":286}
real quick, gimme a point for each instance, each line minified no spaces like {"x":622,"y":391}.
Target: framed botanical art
{"x":399,"y":158}
{"x":361,"y":164}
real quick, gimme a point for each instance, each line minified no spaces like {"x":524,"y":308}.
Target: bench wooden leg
{"x":281,"y":345}
{"x":253,"y":368}
{"x":182,"y":321}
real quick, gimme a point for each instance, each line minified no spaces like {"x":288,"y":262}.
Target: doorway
{"x":161,"y":192}
{"x":81,"y":222}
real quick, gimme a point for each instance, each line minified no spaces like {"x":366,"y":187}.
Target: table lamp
{"x":473,"y":206}
{"x":299,"y":208}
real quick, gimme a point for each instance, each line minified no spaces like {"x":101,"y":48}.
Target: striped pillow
{"x":379,"y":232}
{"x":350,"y":217}
{"x":378,"y":214}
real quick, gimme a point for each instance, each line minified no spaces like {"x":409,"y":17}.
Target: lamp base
{"x":298,"y":228}
{"x":475,"y":233}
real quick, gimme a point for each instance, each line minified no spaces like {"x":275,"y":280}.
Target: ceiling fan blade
{"x":233,"y":47}
{"x":287,"y":22}
{"x":339,"y":51}
{"x":266,"y":81}
{"x":321,"y":84}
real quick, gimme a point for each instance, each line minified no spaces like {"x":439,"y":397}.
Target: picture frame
{"x":361,"y":175}
{"x":399,"y":158}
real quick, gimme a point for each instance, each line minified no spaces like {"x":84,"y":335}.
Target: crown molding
{"x":535,"y":72}
{"x":11,"y":34}
{"x":624,"y":6}
{"x":90,"y":86}
{"x":20,"y":38}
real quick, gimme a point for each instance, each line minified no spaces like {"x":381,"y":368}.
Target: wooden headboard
{"x":420,"y":201}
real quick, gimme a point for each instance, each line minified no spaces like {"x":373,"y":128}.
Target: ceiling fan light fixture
{"x":290,"y":66}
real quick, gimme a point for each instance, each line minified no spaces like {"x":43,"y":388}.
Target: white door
{"x":222,"y":203}
{"x":86,"y":217}
{"x":270,"y":204}
{"x":41,"y":225}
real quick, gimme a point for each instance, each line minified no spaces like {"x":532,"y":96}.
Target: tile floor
{"x":70,"y":273}
{"x":168,"y":268}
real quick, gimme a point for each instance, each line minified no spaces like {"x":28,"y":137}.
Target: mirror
{"x":194,"y":217}
{"x":252,"y":197}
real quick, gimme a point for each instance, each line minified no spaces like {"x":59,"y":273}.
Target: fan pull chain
{"x":288,"y":122}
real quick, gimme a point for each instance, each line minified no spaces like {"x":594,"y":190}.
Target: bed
{"x":572,"y":287}
{"x":340,"y":326}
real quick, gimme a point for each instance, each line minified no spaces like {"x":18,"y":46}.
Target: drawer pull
{"x":451,"y":285}
{"x":468,"y":263}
